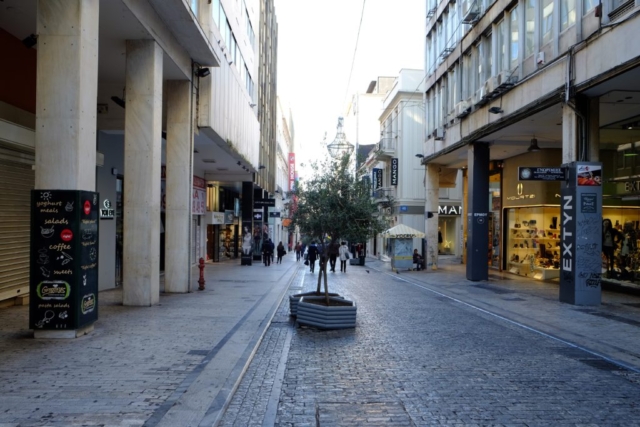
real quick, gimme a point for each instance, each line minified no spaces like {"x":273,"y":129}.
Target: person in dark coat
{"x":267,"y":252}
{"x":312,"y":255}
{"x":281,"y":251}
{"x":333,"y":255}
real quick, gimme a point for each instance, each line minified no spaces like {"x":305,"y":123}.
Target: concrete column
{"x":478,"y":213}
{"x":432,"y":184}
{"x":569,"y":134}
{"x":594,"y":129}
{"x":67,"y":94}
{"x":465,"y":211}
{"x":142,"y":140}
{"x":178,"y":187}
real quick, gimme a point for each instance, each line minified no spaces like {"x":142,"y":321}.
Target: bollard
{"x":201,"y":279}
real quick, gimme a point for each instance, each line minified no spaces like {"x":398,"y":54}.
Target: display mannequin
{"x":610,"y":240}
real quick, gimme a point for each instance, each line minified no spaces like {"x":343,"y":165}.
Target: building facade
{"x":533,"y":84}
{"x":153,"y":104}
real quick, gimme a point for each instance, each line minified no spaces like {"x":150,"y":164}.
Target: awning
{"x":402,"y":231}
{"x":286,"y":222}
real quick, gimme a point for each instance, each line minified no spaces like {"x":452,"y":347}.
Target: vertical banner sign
{"x":394,"y":171}
{"x":580,"y":224}
{"x":64,"y":259}
{"x":292,"y":179}
{"x":199,"y":200}
{"x":377,"y":178}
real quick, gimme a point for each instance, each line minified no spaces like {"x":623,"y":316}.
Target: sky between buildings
{"x":316,"y":46}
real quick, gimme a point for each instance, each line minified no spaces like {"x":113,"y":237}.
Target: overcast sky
{"x":316,"y":43}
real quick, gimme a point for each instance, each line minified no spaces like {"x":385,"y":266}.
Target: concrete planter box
{"x":313,"y":311}
{"x":294,"y":299}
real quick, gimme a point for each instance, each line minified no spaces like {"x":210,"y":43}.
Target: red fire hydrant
{"x":201,"y":279}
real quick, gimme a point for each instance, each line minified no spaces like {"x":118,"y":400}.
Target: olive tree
{"x":332,"y":205}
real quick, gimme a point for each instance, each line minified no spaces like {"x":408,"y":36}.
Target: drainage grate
{"x":362,"y":413}
{"x":514,"y":299}
{"x":632,"y":304}
{"x":199,"y":352}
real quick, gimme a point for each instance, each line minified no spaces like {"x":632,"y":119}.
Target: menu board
{"x":64,"y":259}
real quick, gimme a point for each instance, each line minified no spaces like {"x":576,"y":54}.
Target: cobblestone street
{"x":420,"y":358}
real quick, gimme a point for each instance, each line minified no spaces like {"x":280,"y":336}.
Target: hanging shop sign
{"x":217,"y":218}
{"x":274,"y":214}
{"x":259,"y":203}
{"x":376,"y":176}
{"x":541,"y":174}
{"x":394,"y":171}
{"x":229,"y":217}
{"x":108,"y":212}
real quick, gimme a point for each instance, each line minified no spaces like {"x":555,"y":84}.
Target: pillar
{"x":67,"y":94}
{"x":465,"y":211}
{"x":594,"y":129}
{"x":142,"y":151}
{"x":432,"y":184}
{"x":478,"y":212}
{"x":178,"y":187}
{"x":569,"y":135}
{"x":247,"y":223}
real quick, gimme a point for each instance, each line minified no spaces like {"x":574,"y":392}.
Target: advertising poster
{"x":64,"y":259}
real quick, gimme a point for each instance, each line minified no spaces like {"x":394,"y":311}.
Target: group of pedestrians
{"x":316,"y":252}
{"x":268,"y":252}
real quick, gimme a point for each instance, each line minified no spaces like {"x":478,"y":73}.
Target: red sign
{"x":87,"y":207}
{"x":66,"y":235}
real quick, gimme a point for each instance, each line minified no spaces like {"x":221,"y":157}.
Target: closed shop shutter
{"x":17,"y":179}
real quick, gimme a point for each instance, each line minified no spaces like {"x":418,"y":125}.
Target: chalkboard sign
{"x":64,"y":259}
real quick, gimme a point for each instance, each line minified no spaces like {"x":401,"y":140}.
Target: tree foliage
{"x":333,"y":205}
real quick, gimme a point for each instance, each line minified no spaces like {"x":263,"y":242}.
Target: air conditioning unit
{"x":491,"y":85}
{"x":438,"y":134}
{"x":480,"y":98}
{"x":505,"y":79}
{"x":462,"y":109}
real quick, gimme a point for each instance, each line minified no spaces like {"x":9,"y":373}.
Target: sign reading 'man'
{"x":449,"y":210}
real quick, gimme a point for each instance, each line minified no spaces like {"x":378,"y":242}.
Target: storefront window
{"x":533,"y":241}
{"x":447,"y":235}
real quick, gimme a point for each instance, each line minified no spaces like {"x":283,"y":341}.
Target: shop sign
{"x":520,"y":193}
{"x":449,"y":210}
{"x":394,"y":171}
{"x":228,"y":217}
{"x":217,"y":218}
{"x":274,"y":214}
{"x":199,"y":202}
{"x":108,"y":212}
{"x":377,"y":178}
{"x":292,"y":170}
{"x":259,"y":203}
{"x":541,"y":174}
{"x":257,"y":216}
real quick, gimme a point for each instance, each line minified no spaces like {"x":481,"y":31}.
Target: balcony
{"x":386,"y":147}
{"x":383,"y":194}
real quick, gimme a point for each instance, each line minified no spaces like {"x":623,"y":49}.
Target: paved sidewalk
{"x":173,"y":364}
{"x":179,"y":363}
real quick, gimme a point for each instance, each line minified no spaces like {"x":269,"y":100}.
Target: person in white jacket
{"x":343,"y":252}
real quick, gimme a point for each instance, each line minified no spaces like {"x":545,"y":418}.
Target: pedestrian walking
{"x":312,"y":255}
{"x":343,"y":252}
{"x":267,"y":252}
{"x":298,"y":251}
{"x":333,"y":255}
{"x":281,"y":251}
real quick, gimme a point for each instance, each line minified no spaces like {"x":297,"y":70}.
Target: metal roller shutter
{"x":17,"y":178}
